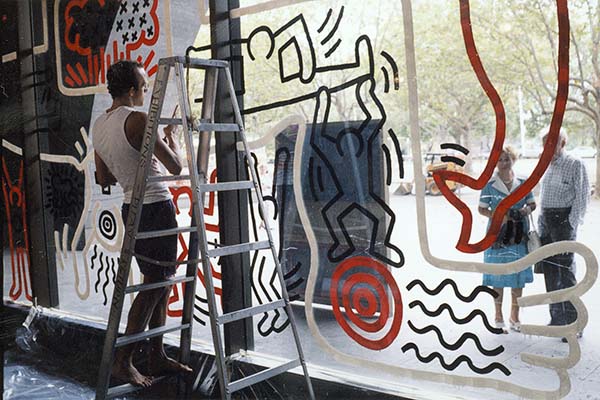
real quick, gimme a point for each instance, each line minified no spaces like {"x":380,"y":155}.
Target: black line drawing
{"x":326,"y":20}
{"x":455,"y":319}
{"x":335,"y":210}
{"x":335,"y":27}
{"x":388,"y":164}
{"x":450,"y":282}
{"x":203,"y":311}
{"x":333,"y":48}
{"x":107,"y":225}
{"x":398,"y":152}
{"x":457,"y":147}
{"x":64,"y":188}
{"x":452,"y":366}
{"x":453,"y":159}
{"x":455,"y":346}
{"x":395,"y":75}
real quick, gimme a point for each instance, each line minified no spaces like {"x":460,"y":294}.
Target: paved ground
{"x":585,"y":376}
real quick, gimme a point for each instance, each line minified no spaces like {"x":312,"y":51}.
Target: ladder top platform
{"x":193,"y":62}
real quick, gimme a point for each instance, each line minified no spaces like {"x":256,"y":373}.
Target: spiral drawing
{"x":362,"y":294}
{"x":107,"y":225}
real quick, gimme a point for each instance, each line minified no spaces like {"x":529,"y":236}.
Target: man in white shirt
{"x":564,"y":199}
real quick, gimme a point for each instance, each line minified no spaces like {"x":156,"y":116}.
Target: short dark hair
{"x":121,"y":77}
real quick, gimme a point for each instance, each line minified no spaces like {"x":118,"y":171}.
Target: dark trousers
{"x":559,"y":270}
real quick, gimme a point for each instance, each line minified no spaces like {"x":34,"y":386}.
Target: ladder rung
{"x":166,"y":263}
{"x":194,"y":62}
{"x":262,"y":376}
{"x":156,"y":285}
{"x":164,"y":232}
{"x":120,"y":390}
{"x":170,"y":121}
{"x":167,"y":178}
{"x":215,"y":127}
{"x":238,"y":248}
{"x":223,"y":186}
{"x":250,"y":311}
{"x":138,"y":337}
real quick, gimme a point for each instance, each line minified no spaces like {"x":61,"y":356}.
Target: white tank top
{"x":121,"y":158}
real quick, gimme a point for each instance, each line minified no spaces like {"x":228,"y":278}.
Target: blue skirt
{"x":506,"y":254}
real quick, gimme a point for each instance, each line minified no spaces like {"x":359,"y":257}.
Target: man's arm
{"x":103,"y":175}
{"x":167,"y":151}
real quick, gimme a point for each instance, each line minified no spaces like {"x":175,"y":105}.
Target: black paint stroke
{"x":335,"y":27}
{"x":398,"y":152}
{"x":106,"y":281}
{"x":99,"y":272}
{"x":272,"y":328}
{"x":455,"y":346}
{"x":326,"y":20}
{"x":111,"y":231}
{"x":386,"y":80}
{"x":450,"y":282}
{"x":388,"y":164}
{"x":311,"y":182}
{"x":390,"y":59}
{"x":94,"y":256}
{"x":453,"y":159}
{"x":454,"y":146}
{"x":333,"y":48}
{"x":451,"y":367}
{"x":455,"y":319}
{"x":320,"y":178}
{"x":112,"y":269}
{"x":299,"y":18}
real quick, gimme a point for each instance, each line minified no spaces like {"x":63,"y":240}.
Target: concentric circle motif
{"x":107,"y":225}
{"x":361,"y":293}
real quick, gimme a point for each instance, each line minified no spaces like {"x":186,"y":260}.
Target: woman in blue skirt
{"x":511,"y":243}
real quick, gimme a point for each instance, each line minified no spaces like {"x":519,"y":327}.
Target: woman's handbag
{"x":534,"y":242}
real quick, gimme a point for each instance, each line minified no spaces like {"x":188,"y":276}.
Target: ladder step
{"x":216,"y":127}
{"x":223,"y":186}
{"x":193,"y":62}
{"x":238,"y":248}
{"x":120,"y":390}
{"x":156,"y":285}
{"x":170,"y":121}
{"x":262,"y":376}
{"x":165,"y":232}
{"x":138,"y":337}
{"x":166,"y":263}
{"x":250,"y":311}
{"x":167,"y":178}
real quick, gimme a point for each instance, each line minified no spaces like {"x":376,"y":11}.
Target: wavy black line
{"x":98,"y":274}
{"x":455,"y":346}
{"x":455,"y":319}
{"x":451,"y":367}
{"x":94,"y":256}
{"x":454,"y":146}
{"x":106,"y":281}
{"x":446,"y":282}
{"x":112,"y":270}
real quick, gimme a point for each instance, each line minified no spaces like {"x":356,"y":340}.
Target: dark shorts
{"x":156,"y":216}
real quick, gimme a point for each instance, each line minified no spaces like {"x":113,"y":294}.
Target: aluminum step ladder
{"x":198,"y":166}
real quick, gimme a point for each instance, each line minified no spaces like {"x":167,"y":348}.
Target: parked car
{"x":583,"y":152}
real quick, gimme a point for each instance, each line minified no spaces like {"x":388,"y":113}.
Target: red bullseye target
{"x":361,"y":293}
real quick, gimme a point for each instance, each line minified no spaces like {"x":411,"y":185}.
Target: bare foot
{"x":128,"y":373}
{"x":165,"y":365}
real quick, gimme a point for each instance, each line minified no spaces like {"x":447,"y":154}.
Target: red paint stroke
{"x":354,"y":291}
{"x":441,"y":177}
{"x":14,"y":197}
{"x":75,"y":45}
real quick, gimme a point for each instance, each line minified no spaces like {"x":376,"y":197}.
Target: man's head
{"x":127,"y":80}
{"x":560,"y":144}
